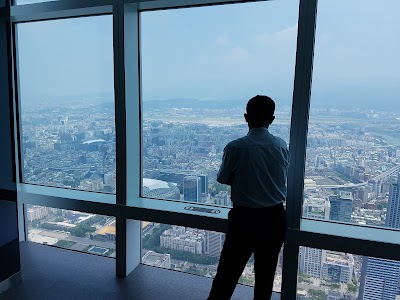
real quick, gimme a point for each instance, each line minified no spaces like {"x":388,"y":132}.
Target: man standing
{"x":255,"y":166}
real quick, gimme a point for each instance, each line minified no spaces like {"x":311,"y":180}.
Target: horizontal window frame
{"x":143,"y":209}
{"x":362,"y":232}
{"x":357,"y":246}
{"x":174,"y":213}
{"x":146,"y":5}
{"x":295,"y":238}
{"x":59,"y":10}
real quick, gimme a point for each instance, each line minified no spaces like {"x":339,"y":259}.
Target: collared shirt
{"x":255,"y":166}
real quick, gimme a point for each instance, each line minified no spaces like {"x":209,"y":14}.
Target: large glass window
{"x":66,"y":93}
{"x":325,"y":274}
{"x":191,"y":250}
{"x":69,"y":229}
{"x":353,"y":147}
{"x":200,"y":66}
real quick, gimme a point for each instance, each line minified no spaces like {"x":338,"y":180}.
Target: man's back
{"x":256,"y":168}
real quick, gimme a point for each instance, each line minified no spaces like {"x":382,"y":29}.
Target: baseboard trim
{"x":10,"y":282}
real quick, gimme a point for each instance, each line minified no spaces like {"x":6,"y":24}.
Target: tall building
{"x":204,"y":184}
{"x":310,"y":261}
{"x":380,"y":278}
{"x":192,"y":188}
{"x":393,"y":210}
{"x":36,"y":212}
{"x":213,"y":243}
{"x":341,"y":207}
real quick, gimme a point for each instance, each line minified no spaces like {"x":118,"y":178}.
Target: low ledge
{"x":11,"y":282}
{"x":200,"y":215}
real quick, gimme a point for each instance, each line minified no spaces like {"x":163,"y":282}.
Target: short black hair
{"x":260,"y":109}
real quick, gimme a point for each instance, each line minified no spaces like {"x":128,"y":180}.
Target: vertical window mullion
{"x":298,"y":139}
{"x":126,"y":51}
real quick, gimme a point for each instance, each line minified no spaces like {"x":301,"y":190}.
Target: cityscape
{"x":352,"y":175}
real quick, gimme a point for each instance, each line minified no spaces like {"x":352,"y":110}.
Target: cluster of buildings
{"x":378,"y":278}
{"x":195,"y":241}
{"x":69,"y":147}
{"x":324,"y":264}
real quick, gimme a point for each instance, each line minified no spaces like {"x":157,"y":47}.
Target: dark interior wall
{"x":9,"y":241}
{"x":7,"y":162}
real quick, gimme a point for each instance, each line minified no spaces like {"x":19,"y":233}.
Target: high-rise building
{"x":310,"y":260}
{"x":341,"y":207}
{"x":192,"y":188}
{"x":204,"y":184}
{"x":393,"y":210}
{"x":213,"y":243}
{"x":379,"y":279}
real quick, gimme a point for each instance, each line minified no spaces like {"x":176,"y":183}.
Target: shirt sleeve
{"x":225,"y":174}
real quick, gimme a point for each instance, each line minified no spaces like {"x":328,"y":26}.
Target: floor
{"x":50,"y":273}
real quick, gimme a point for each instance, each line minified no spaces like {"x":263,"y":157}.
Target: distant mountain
{"x":193,"y":103}
{"x":383,"y":99}
{"x":93,"y":98}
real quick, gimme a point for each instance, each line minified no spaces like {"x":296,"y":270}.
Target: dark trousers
{"x":250,"y":230}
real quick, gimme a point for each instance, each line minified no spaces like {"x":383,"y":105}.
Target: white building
{"x":178,"y":238}
{"x":316,"y":208}
{"x":37,"y":212}
{"x":310,"y":260}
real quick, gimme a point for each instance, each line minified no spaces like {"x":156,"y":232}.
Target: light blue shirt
{"x":256,"y":166}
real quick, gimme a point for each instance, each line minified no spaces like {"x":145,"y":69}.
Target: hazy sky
{"x":223,"y":52}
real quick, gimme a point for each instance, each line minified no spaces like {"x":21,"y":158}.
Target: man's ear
{"x":246,"y":117}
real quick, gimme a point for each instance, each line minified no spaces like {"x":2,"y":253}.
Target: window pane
{"x":67,"y":103}
{"x":353,"y":147}
{"x":325,"y":274}
{"x":200,"y":66}
{"x":73,"y":230}
{"x":193,"y":251}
